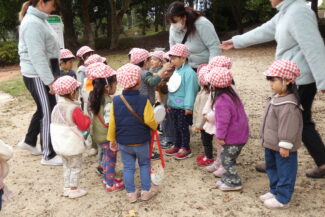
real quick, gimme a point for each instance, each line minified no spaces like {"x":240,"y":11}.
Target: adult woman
{"x":38,"y":46}
{"x":295,"y":29}
{"x":189,"y":27}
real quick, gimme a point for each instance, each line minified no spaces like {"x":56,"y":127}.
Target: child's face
{"x":111,"y":89}
{"x":279,"y":86}
{"x":177,"y":61}
{"x":66,"y":66}
{"x":155,"y":62}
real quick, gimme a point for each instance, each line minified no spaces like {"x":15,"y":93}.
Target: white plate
{"x":160,"y":113}
{"x":174,"y":82}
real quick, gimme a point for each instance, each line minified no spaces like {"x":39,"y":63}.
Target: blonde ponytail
{"x":23,"y":10}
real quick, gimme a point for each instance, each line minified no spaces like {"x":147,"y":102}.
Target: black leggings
{"x":207,"y":143}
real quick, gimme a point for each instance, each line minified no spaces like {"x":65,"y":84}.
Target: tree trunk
{"x":130,"y":21}
{"x":70,"y":37}
{"x":236,"y":11}
{"x":116,"y":20}
{"x":88,"y":33}
{"x":314,"y":7}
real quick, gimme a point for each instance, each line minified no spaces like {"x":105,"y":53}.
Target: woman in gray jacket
{"x":189,"y":27}
{"x":38,"y":48}
{"x":295,"y":30}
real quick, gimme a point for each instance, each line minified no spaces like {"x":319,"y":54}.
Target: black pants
{"x":310,"y":136}
{"x":1,"y":193}
{"x":207,"y":144}
{"x":40,"y":123}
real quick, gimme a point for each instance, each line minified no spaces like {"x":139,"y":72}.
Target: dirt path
{"x":187,"y":190}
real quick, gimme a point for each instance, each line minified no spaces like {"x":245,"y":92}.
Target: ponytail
{"x":24,"y":8}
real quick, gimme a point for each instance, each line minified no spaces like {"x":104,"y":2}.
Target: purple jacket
{"x":231,"y":121}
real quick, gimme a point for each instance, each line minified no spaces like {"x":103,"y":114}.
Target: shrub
{"x":8,"y":53}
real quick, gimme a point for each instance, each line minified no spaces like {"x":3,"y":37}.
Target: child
{"x":6,"y":153}
{"x":231,"y":126}
{"x":201,"y":99}
{"x":131,"y":133}
{"x":83,"y":53}
{"x":182,"y":87}
{"x":104,"y":84}
{"x":281,"y":133}
{"x":66,"y":63}
{"x":67,"y":123}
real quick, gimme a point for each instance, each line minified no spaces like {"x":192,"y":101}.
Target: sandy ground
{"x":187,"y":189}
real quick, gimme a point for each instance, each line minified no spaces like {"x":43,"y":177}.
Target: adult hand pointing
{"x":226,"y":45}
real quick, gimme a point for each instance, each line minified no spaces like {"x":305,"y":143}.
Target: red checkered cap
{"x":133,"y":50}
{"x":203,"y":70}
{"x":66,"y":54}
{"x":95,"y":58}
{"x":220,"y":61}
{"x":283,"y":69}
{"x":128,"y":75}
{"x":179,"y":50}
{"x":99,"y":70}
{"x":159,"y":54}
{"x":83,"y":50}
{"x":166,"y":56}
{"x":220,"y":77}
{"x":65,"y":85}
{"x":139,"y":55}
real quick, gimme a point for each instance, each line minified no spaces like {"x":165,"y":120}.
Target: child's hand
{"x":114,"y":146}
{"x":188,"y":112}
{"x":220,"y":142}
{"x":284,"y":152}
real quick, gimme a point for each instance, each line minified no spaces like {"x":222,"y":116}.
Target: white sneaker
{"x":92,"y":152}
{"x":56,"y":161}
{"x":31,"y":149}
{"x":79,"y":192}
{"x":266,"y":196}
{"x":66,"y":192}
{"x":275,"y":204}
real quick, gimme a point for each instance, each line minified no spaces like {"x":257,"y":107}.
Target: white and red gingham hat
{"x":203,"y":72}
{"x":166,"y":56}
{"x":220,"y":77}
{"x":139,"y":55}
{"x":65,"y":85}
{"x":220,"y":61}
{"x":284,"y":69}
{"x":95,"y":58}
{"x":83,"y":50}
{"x":159,"y":54}
{"x":128,"y":75}
{"x":133,"y":50}
{"x":66,"y":54}
{"x":179,"y":50}
{"x":99,"y":70}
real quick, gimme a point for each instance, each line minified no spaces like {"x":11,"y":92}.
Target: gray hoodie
{"x":298,"y":39}
{"x":38,"y":43}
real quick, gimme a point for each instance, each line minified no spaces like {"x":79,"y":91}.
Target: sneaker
{"x":219,"y":172}
{"x":79,"y":192}
{"x":147,"y":195}
{"x":92,"y":152}
{"x":66,"y":192}
{"x":266,"y":196}
{"x":56,"y":161}
{"x":118,"y":186}
{"x":205,"y":161}
{"x":260,"y":168}
{"x":200,"y":157}
{"x":99,"y":170}
{"x":211,"y":168}
{"x":165,"y":145}
{"x":318,"y":172}
{"x":224,"y":187}
{"x":183,"y":154}
{"x":133,"y":196}
{"x":218,"y":183}
{"x":273,"y":203}
{"x":31,"y":149}
{"x":155,"y":156}
{"x":172,"y":151}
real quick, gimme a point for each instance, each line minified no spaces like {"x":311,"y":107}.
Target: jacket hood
{"x":34,"y":11}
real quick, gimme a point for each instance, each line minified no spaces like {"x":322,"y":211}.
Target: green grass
{"x":15,"y":87}
{"x":117,"y":60}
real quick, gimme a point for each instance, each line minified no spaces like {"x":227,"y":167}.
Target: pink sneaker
{"x":132,"y":197}
{"x":219,"y":172}
{"x":213,"y":167}
{"x":147,"y":195}
{"x":275,"y":204}
{"x":118,"y":186}
{"x":266,"y":196}
{"x":172,"y":151}
{"x":183,"y":154}
{"x":224,"y":187}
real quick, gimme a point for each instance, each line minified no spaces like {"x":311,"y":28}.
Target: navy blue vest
{"x":129,"y":130}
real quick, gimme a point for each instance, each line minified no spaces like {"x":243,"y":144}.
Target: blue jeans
{"x":282,"y":174}
{"x":129,"y":155}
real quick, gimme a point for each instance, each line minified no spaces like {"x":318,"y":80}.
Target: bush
{"x":8,"y":53}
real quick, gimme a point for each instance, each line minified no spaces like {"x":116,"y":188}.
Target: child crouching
{"x":67,"y":123}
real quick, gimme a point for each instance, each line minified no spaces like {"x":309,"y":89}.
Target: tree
{"x":115,"y":19}
{"x":88,"y":32}
{"x":9,"y":17}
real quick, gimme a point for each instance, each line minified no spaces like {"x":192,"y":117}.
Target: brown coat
{"x":282,"y":123}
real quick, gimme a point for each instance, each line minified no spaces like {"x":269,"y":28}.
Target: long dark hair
{"x":291,"y":88}
{"x":178,"y":9}
{"x":84,"y":58}
{"x":216,"y":92}
{"x":96,"y":95}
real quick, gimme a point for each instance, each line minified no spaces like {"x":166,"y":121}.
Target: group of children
{"x":124,"y":122}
